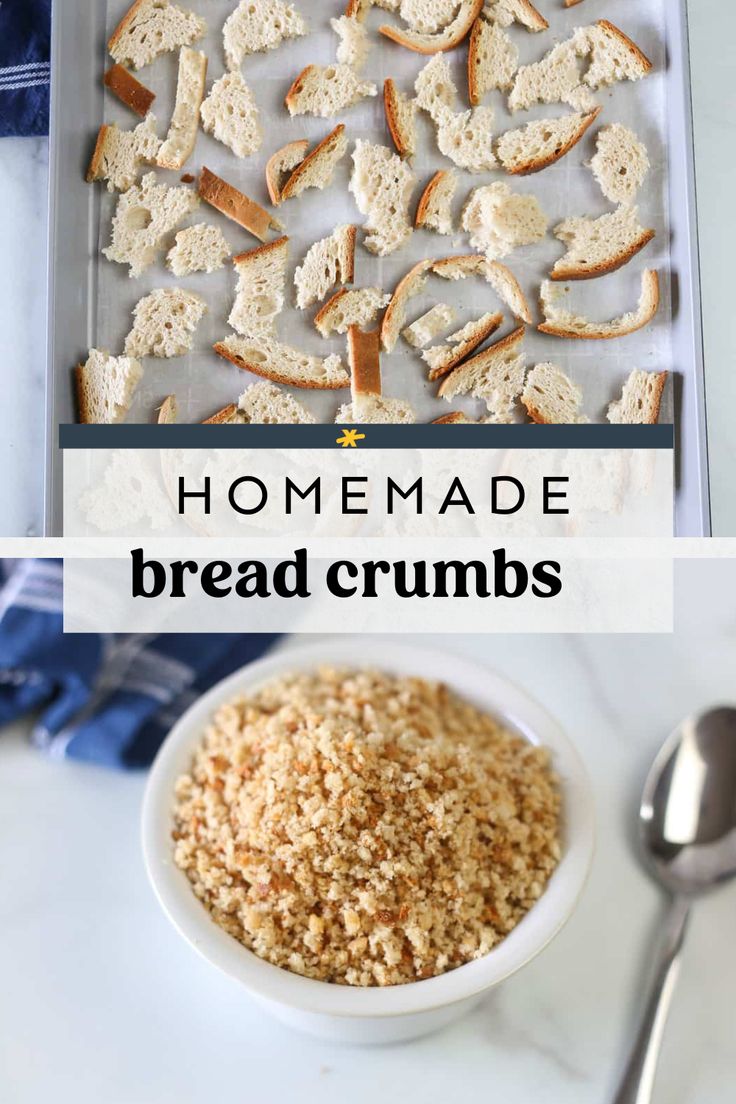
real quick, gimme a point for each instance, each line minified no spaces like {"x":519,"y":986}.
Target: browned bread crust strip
{"x":446,"y":39}
{"x":223,"y":415}
{"x":235,"y":205}
{"x":334,"y":136}
{"x":129,"y":90}
{"x":364,"y":355}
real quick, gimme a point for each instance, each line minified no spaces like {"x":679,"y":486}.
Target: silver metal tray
{"x":90,"y":299}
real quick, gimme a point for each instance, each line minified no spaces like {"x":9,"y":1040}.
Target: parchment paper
{"x":203,"y":382}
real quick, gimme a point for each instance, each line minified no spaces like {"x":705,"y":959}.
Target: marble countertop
{"x":102,"y":1001}
{"x":23,"y":177}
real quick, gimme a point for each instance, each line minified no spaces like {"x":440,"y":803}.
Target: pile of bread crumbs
{"x":365,"y":829}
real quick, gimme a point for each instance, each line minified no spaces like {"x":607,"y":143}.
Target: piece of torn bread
{"x":283,"y":364}
{"x":328,"y":262}
{"x":497,"y":274}
{"x":263,"y":403}
{"x":446,"y":38}
{"x":620,"y":163}
{"x":551,"y":398}
{"x":427,"y":16}
{"x":434,"y":210}
{"x":429,"y":326}
{"x":165,"y":323}
{"x":350,"y":307}
{"x":324,"y":91}
{"x":492,"y":60}
{"x":318,"y":167}
{"x":382,"y":185}
{"x":499,"y":220}
{"x":236,"y":205}
{"x":179,"y":144}
{"x":151,"y":28}
{"x":259,"y":25}
{"x":466,"y":137}
{"x":607,"y":56}
{"x":459,"y":345}
{"x":562,"y":323}
{"x":168,"y":412}
{"x":376,"y":410}
{"x":395,"y":317}
{"x":401,"y":113}
{"x":105,"y":387}
{"x":230,"y":114}
{"x":199,"y":248}
{"x":506,"y":12}
{"x":542,"y":142}
{"x":281,"y":164}
{"x":119,"y":154}
{"x":368,"y":404}
{"x":640,"y":400}
{"x":145,"y":216}
{"x":596,"y":246}
{"x":129,"y":90}
{"x":260,"y":295}
{"x":495,"y":375}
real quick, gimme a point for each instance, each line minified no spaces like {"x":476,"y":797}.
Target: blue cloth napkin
{"x":105,"y":699}
{"x":25,"y":67}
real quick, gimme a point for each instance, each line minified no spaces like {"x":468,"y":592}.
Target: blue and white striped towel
{"x":105,"y":699}
{"x":25,"y":67}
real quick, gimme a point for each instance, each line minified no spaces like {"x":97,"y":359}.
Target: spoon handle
{"x":637,"y":1085}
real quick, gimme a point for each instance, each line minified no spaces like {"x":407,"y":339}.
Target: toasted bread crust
{"x":534,"y":166}
{"x":618,"y":260}
{"x":512,"y":339}
{"x":395,"y":314}
{"x":436,"y":43}
{"x":467,"y":348}
{"x":390,"y":106}
{"x":659,"y":385}
{"x":259,"y":250}
{"x":536,"y":19}
{"x":273,"y":170}
{"x":129,"y":90}
{"x":95,"y":164}
{"x":82,"y":407}
{"x":455,"y":417}
{"x":324,"y":311}
{"x":364,"y":355}
{"x":633,"y":49}
{"x":235,"y":205}
{"x":427,"y":197}
{"x":167,"y":412}
{"x":288,"y":188}
{"x":474,"y":62}
{"x":349,"y":274}
{"x":223,"y":415}
{"x":274,"y":376}
{"x":649,"y":305}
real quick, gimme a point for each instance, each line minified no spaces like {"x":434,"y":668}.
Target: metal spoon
{"x":688,"y":831}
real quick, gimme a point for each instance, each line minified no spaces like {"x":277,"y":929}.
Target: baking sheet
{"x":656,"y":108}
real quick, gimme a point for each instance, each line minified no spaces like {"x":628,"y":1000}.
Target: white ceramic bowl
{"x":372,"y":1015}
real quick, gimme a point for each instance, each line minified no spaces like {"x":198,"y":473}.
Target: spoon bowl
{"x":688,"y":809}
{"x":687,"y":823}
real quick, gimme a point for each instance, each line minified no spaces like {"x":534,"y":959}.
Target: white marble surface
{"x":102,"y":1001}
{"x":22,"y":283}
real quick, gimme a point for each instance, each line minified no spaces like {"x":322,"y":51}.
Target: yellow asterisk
{"x":350,"y":438}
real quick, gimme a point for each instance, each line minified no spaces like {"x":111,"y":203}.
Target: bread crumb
{"x":365,"y":829}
